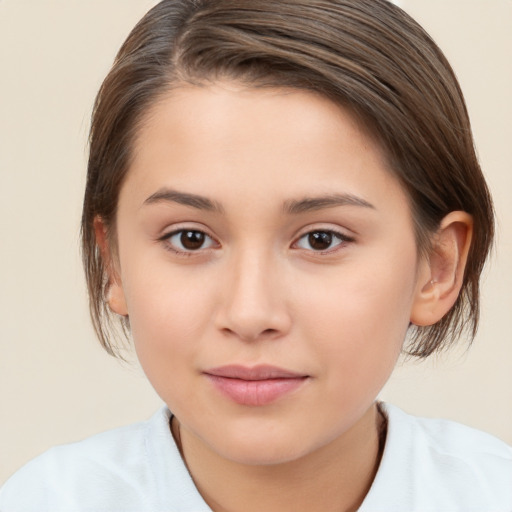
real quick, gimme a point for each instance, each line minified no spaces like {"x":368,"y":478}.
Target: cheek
{"x":169,"y":311}
{"x":360,"y":316}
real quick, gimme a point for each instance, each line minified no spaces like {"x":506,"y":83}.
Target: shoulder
{"x":118,"y":470}
{"x":455,"y":444}
{"x":438,"y":464}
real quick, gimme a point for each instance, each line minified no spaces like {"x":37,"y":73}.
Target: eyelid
{"x":337,"y":232}
{"x":176,"y":229}
{"x":179,"y":228}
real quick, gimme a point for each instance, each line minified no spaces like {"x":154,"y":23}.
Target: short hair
{"x":367,"y":56}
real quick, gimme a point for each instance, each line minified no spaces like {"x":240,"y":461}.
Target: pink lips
{"x":259,"y":385}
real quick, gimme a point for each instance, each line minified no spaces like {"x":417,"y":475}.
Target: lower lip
{"x":256,"y":392}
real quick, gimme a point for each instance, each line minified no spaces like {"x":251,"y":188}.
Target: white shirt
{"x":427,"y":466}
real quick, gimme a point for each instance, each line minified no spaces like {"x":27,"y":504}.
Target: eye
{"x":321,"y":240}
{"x":189,"y":240}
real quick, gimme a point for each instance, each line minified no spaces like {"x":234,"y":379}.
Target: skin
{"x":257,"y":292}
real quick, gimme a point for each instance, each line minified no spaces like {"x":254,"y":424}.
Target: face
{"x":268,"y":265}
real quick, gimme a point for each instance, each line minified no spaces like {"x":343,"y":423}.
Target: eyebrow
{"x":291,"y":207}
{"x":309,"y":204}
{"x":184,"y":198}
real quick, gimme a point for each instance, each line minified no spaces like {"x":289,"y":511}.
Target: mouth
{"x":255,"y":386}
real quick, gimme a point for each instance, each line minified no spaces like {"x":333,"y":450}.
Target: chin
{"x":265,"y":446}
{"x":262,"y":454}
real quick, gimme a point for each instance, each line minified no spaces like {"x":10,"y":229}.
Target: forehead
{"x":234,"y":141}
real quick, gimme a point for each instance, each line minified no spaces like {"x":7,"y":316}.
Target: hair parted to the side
{"x":365,"y":55}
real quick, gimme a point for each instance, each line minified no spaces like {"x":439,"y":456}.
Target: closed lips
{"x":262,"y":372}
{"x":255,"y":386}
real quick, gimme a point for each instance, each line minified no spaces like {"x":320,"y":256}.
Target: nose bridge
{"x":253,"y":301}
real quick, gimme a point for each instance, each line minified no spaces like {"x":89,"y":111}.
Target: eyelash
{"x":166,"y":239}
{"x":333,"y":234}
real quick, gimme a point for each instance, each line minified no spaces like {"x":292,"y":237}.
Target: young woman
{"x":278,"y":193}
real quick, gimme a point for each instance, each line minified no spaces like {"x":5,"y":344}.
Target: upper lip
{"x":260,"y":372}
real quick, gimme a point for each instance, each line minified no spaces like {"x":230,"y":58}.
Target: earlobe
{"x":116,"y":300}
{"x":440,"y":277}
{"x":115,"y":293}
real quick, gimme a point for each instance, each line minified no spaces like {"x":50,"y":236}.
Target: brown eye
{"x":321,"y":240}
{"x":192,"y":240}
{"x":188,"y":240}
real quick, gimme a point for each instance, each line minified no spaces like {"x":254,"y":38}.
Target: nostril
{"x":265,"y":334}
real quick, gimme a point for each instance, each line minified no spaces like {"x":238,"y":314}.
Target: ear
{"x":440,"y":276}
{"x":115,"y":293}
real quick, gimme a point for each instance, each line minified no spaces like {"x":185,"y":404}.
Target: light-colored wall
{"x":476,"y":387}
{"x":56,"y":384}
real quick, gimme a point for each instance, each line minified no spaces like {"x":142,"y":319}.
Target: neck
{"x":335,"y":477}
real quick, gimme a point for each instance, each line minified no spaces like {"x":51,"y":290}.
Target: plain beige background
{"x":56,"y":384}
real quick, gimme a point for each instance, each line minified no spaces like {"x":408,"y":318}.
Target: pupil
{"x":320,"y":240}
{"x":192,"y":239}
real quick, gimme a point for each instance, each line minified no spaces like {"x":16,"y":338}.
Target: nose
{"x":253,"y":304}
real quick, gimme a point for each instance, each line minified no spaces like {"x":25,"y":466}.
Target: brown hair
{"x":366,"y":55}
